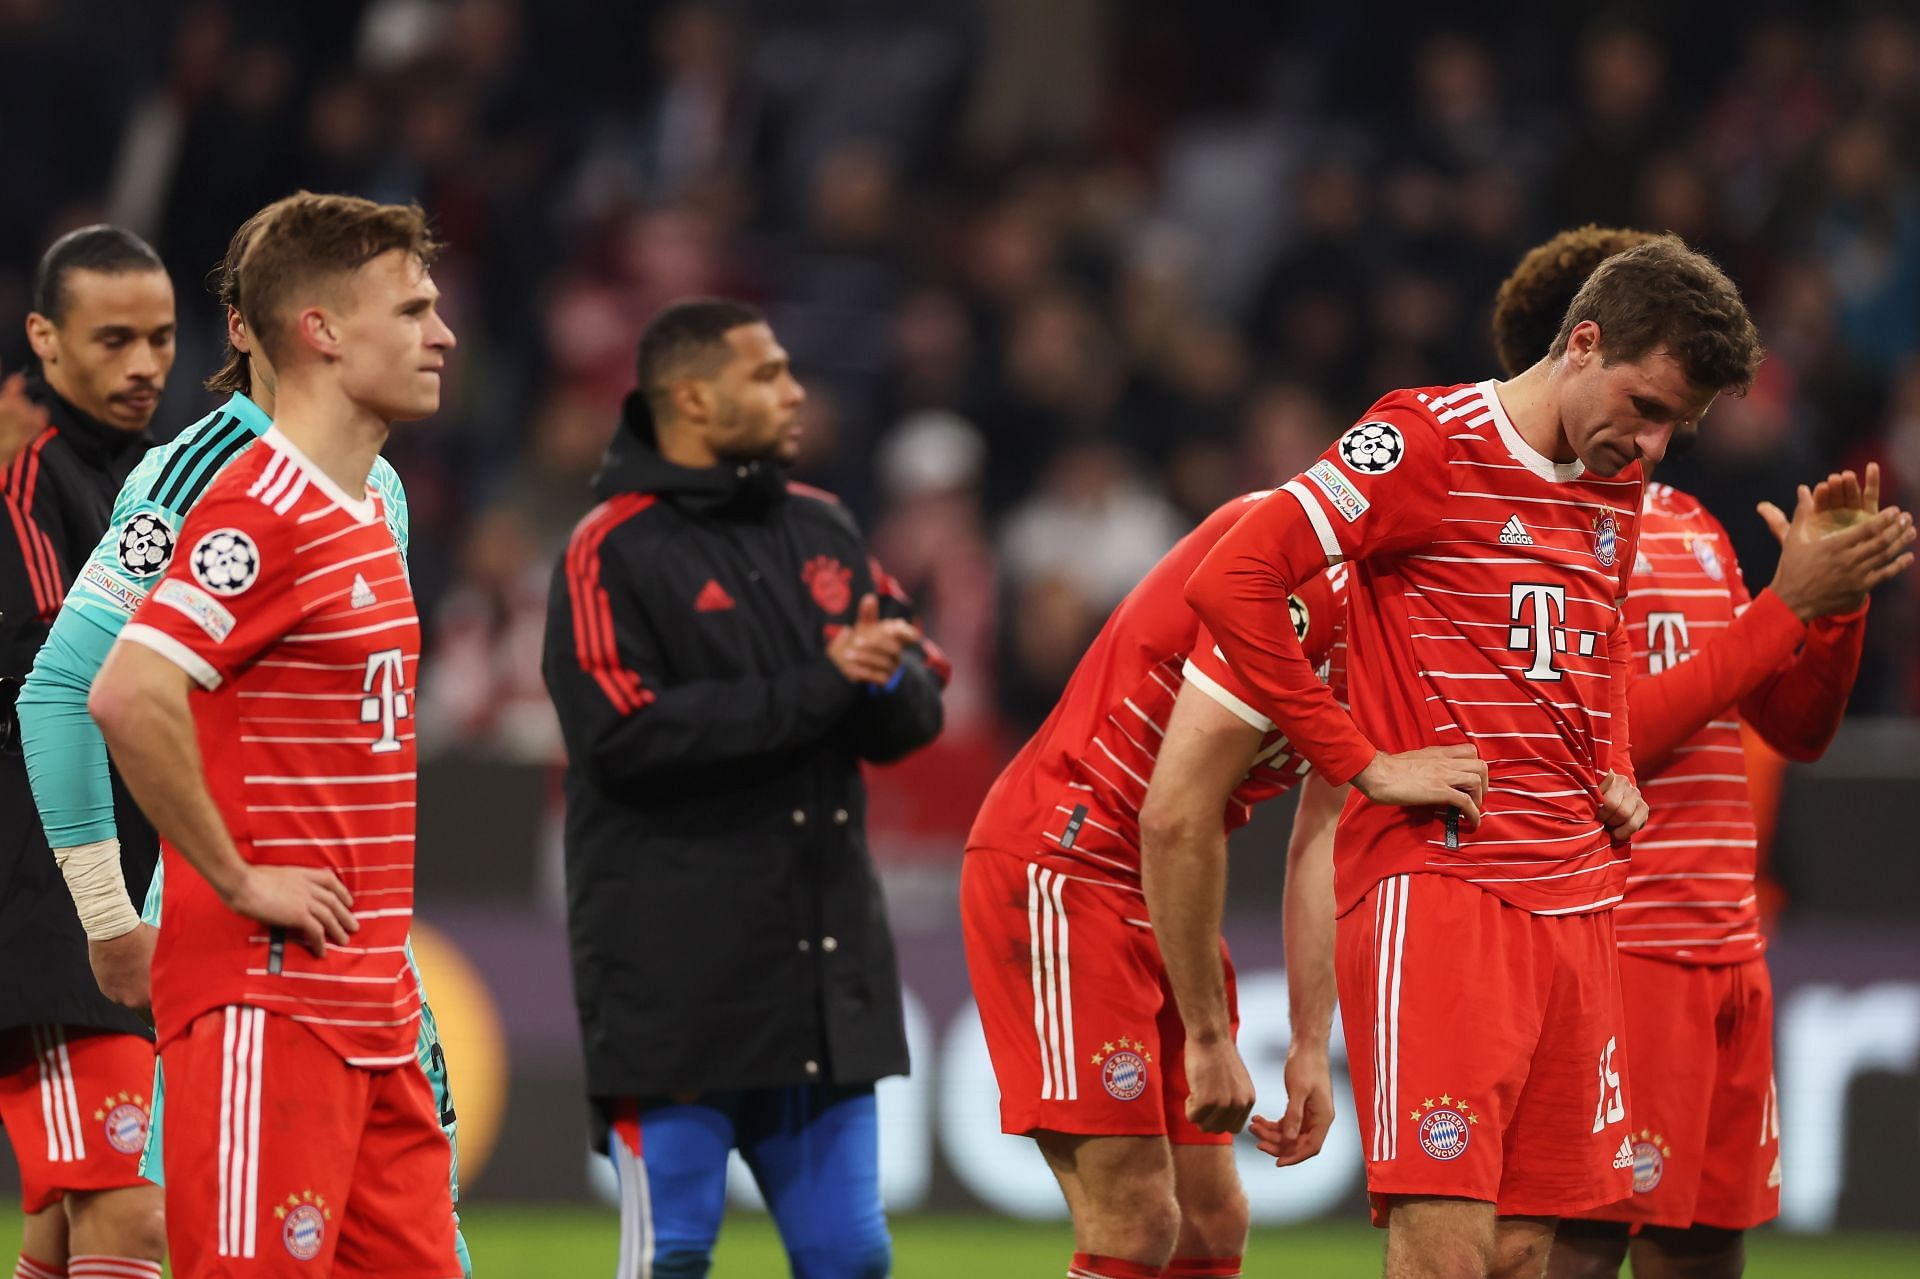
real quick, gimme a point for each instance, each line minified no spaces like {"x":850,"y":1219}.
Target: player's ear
{"x":316,"y":328}
{"x":1583,"y":343}
{"x":237,"y":331}
{"x":692,"y":399}
{"x":43,"y":337}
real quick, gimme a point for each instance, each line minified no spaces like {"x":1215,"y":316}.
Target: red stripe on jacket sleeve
{"x":36,"y":548}
{"x":594,"y":644}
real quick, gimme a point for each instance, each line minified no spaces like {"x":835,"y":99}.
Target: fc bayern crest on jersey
{"x":125,"y":1120}
{"x":1445,"y":1126}
{"x":1709,"y":559}
{"x":226,"y":561}
{"x":1372,"y":448}
{"x":1123,"y":1068}
{"x":1606,"y":539}
{"x":146,"y":545}
{"x":830,"y":581}
{"x":1650,"y":1154}
{"x":1302,"y":619}
{"x":303,"y":1224}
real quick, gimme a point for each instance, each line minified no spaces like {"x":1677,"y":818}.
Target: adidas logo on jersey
{"x":1623,"y":1157}
{"x":362,"y":596}
{"x":713,"y":598}
{"x":1513,"y":533}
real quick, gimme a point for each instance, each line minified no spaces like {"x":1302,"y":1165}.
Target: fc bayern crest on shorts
{"x":226,"y":561}
{"x":303,"y":1224}
{"x":1445,"y":1126}
{"x":831,"y":583}
{"x":146,"y":545}
{"x":1606,"y":539}
{"x":1650,"y":1155}
{"x":1123,"y":1068}
{"x":1372,"y":448}
{"x":125,"y":1120}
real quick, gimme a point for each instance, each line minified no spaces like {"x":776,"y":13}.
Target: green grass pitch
{"x":514,"y":1242}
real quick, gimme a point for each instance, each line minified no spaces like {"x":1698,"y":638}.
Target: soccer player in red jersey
{"x":1490,"y":528}
{"x":1699,"y":1013}
{"x":260,"y":706}
{"x":1087,"y":1027}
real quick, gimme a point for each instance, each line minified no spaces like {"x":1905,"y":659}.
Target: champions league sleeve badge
{"x":1372,"y":448}
{"x":146,"y":545}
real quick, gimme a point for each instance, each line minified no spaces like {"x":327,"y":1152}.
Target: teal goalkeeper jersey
{"x":66,"y":756}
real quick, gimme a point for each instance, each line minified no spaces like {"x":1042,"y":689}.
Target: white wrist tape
{"x":99,"y":889}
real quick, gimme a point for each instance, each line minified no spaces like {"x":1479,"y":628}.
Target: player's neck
{"x":1534,"y":410}
{"x":339,"y":437}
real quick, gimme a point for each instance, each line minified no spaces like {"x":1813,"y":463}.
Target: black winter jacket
{"x":727,"y":926}
{"x":59,"y":494}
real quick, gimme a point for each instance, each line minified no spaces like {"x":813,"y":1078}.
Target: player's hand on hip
{"x":308,"y":902}
{"x":869,"y":651}
{"x":1453,"y":776}
{"x":1838,"y":546}
{"x":123,"y":967}
{"x":1622,"y":811}
{"x":1219,"y":1089}
{"x":1299,"y":1134}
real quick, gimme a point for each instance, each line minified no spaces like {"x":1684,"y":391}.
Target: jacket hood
{"x":633,"y":465}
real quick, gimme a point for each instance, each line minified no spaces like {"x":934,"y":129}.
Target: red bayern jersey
{"x":1483,"y":609}
{"x":1071,"y":798}
{"x":1705,"y":655}
{"x":288,"y":603}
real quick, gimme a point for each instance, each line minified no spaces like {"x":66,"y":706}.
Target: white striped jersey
{"x":1483,"y":609}
{"x":288,"y":603}
{"x":1690,"y":892}
{"x":1071,"y":798}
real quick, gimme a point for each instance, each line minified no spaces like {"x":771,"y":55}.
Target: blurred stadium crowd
{"x":1059,"y":277}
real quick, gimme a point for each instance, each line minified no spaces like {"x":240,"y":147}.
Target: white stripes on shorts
{"x":636,"y":1213}
{"x":1052,"y":983}
{"x":239,"y":1167}
{"x":1390,"y":935}
{"x":59,"y":1103}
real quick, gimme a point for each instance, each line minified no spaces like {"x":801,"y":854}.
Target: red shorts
{"x":1706,"y":1118}
{"x":74,"y":1102}
{"x":281,"y":1159}
{"x":1080,"y":1021}
{"x":1485,"y":1044}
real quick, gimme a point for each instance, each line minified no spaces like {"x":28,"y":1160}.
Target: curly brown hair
{"x":1531,"y":302}
{"x":1663,"y":296}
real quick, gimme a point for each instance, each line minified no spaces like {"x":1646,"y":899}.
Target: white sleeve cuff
{"x":174,"y":651}
{"x":1219,"y":693}
{"x":1317,"y":516}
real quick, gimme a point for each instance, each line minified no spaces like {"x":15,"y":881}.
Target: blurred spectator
{"x":1060,"y":278}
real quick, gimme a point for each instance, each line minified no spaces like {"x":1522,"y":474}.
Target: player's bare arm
{"x":139,"y":699}
{"x":1839,"y":545}
{"x":1307,"y":912}
{"x":1183,"y":870}
{"x":123,"y":966}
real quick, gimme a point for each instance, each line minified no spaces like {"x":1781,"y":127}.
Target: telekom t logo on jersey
{"x":1668,"y":643}
{"x":1539,"y":617}
{"x":385,"y":704}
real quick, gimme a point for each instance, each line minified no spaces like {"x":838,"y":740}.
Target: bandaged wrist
{"x":99,"y":889}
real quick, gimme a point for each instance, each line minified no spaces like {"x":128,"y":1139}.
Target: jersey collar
{"x":251,"y":415}
{"x":1524,"y":453}
{"x":361,"y":509}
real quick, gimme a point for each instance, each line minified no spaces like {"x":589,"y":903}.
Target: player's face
{"x":755,"y":399}
{"x":111,"y":352}
{"x":1633,"y":411}
{"x":392,"y":342}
